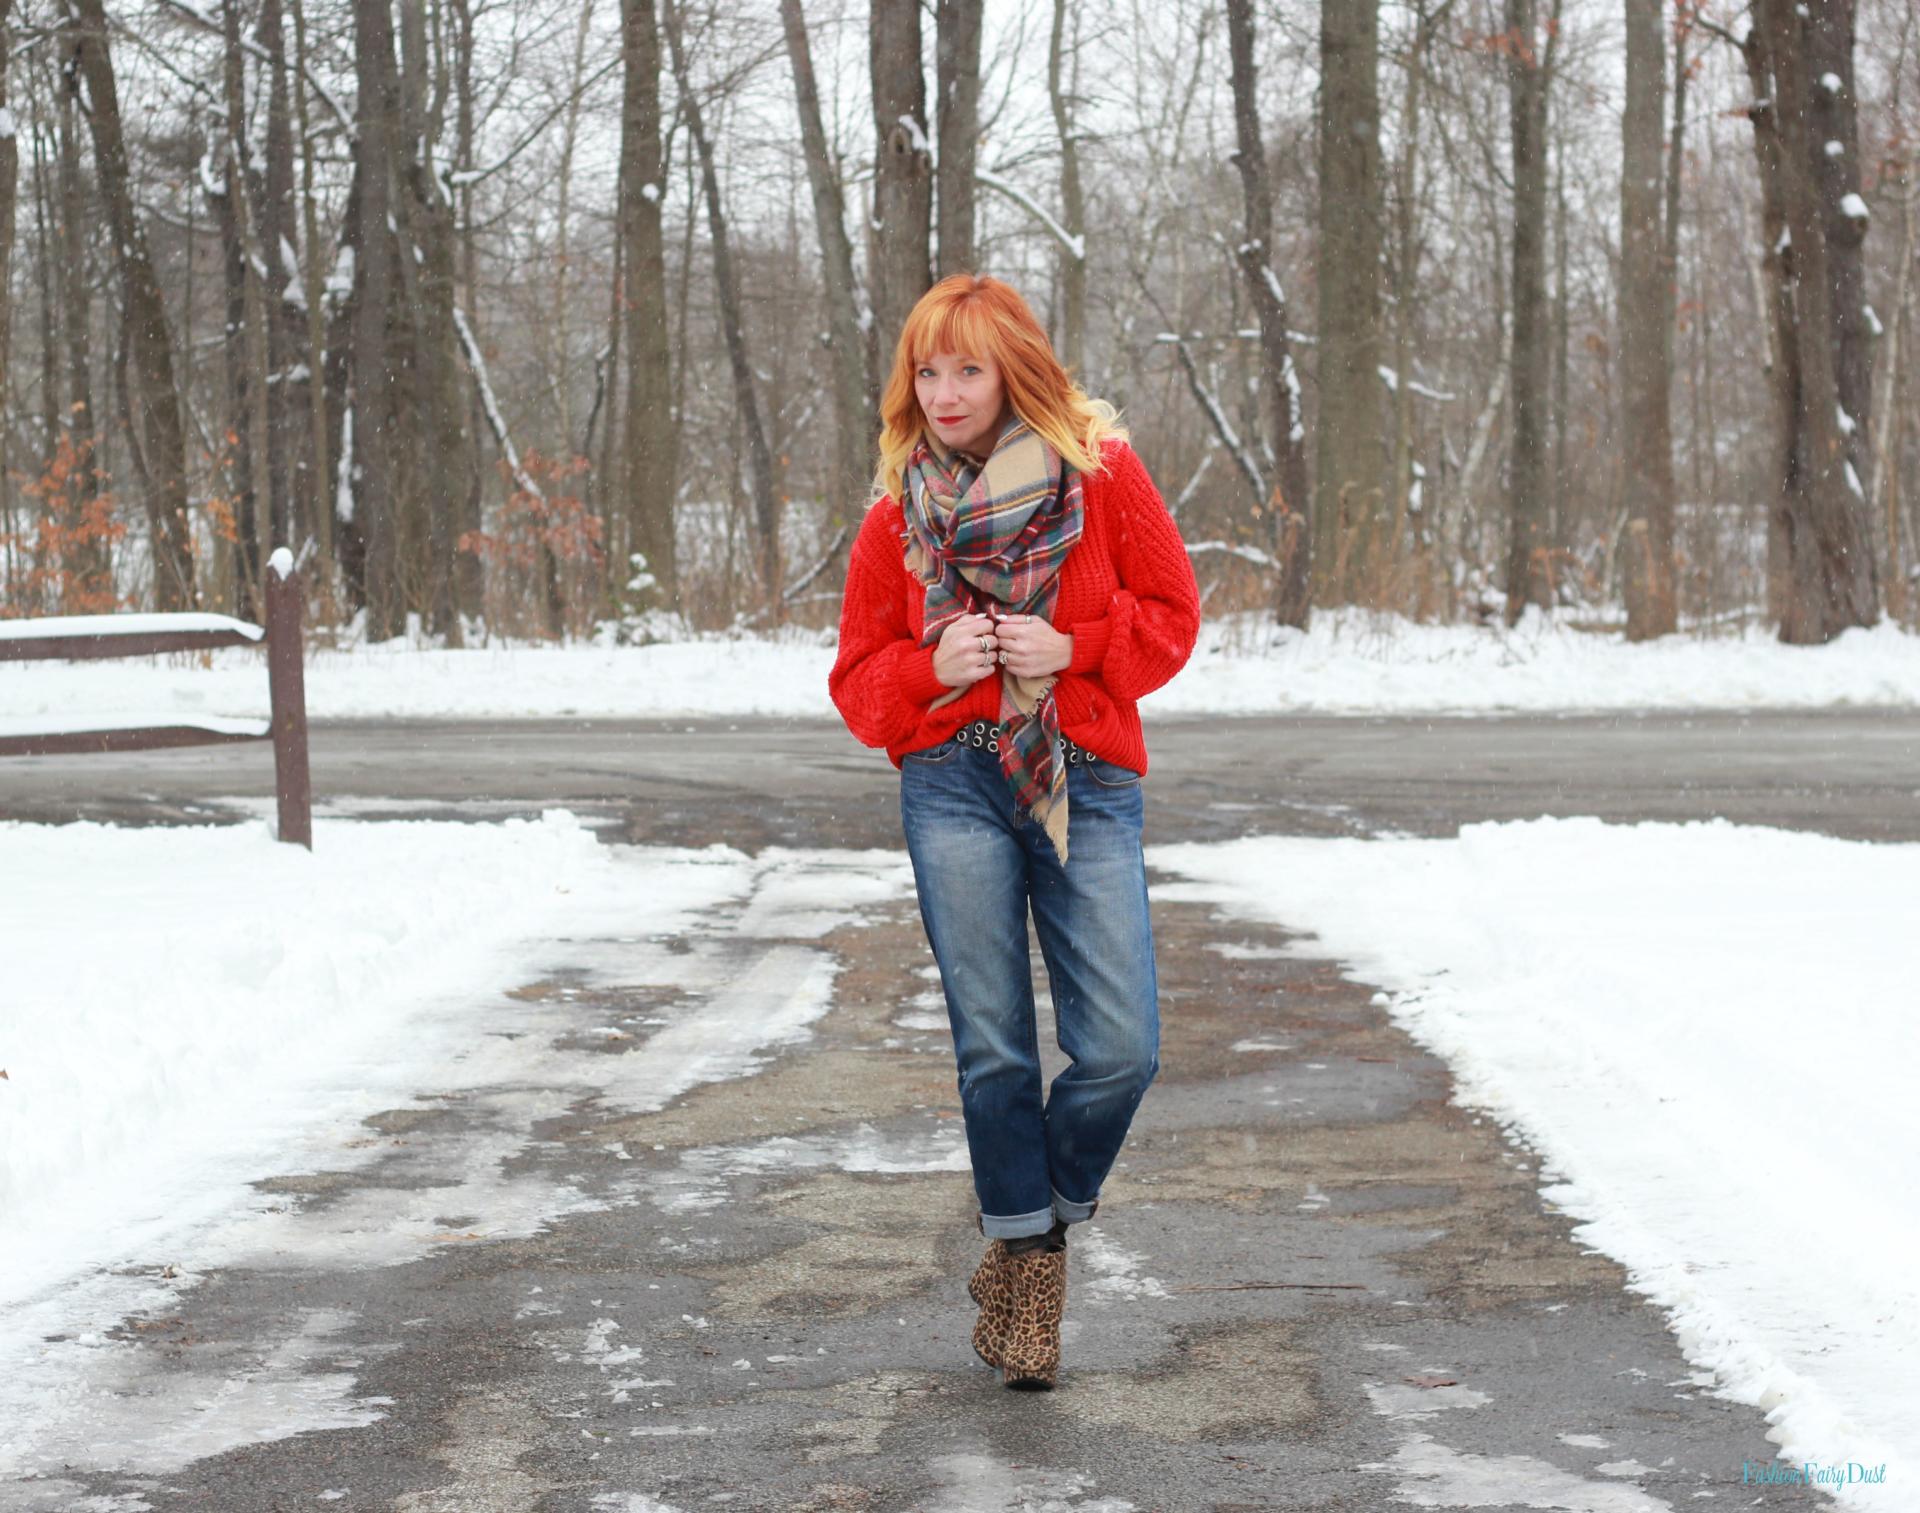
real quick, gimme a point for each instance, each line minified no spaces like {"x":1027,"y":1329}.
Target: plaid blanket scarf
{"x":990,"y":539}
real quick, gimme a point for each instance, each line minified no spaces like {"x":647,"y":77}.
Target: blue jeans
{"x":977,"y":867}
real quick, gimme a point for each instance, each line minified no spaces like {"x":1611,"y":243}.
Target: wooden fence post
{"x":287,"y":695}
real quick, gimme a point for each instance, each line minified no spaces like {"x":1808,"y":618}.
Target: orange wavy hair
{"x":979,"y":316}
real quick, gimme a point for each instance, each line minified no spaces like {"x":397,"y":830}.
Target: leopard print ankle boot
{"x":990,"y":1288}
{"x":1030,"y":1346}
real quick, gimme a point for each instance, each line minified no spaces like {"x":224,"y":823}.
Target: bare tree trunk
{"x":759,"y":455}
{"x":9,"y":195}
{"x":601,"y":428}
{"x":87,"y":571}
{"x":290,"y":379}
{"x":1670,"y":252}
{"x":903,"y":170}
{"x":47,"y":234}
{"x":1348,"y":473}
{"x":247,"y":346}
{"x":1071,"y":262}
{"x":236,"y":431}
{"x":649,"y":455}
{"x":1402,"y":269}
{"x":1409,"y":496}
{"x":957,"y":75}
{"x":559,"y":342}
{"x":436,"y":391}
{"x":1823,"y":569}
{"x":318,"y":491}
{"x":1560,"y":494}
{"x":1646,"y":437}
{"x":376,"y":501}
{"x":1833,"y":118}
{"x":852,"y":383}
{"x":559,"y":355}
{"x":469,"y":573}
{"x":162,"y":441}
{"x":1773,"y":297}
{"x":349,"y":522}
{"x":1889,"y":381}
{"x":1676,"y":165}
{"x":445,"y":409}
{"x":1529,"y":73}
{"x":1287,"y":504}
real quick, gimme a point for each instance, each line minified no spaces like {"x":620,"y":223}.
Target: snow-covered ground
{"x":181,"y":1005}
{"x":1349,"y":662}
{"x":176,"y":999}
{"x":187,"y":1011}
{"x":1707,"y":1032}
{"x":1704,"y":1030}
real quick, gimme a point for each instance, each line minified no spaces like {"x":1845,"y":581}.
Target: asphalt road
{"x":750,"y":782}
{"x":1315,"y":1281}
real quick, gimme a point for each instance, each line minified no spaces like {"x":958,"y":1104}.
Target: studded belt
{"x":985,"y":733}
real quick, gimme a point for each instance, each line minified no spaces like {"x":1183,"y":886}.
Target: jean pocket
{"x":1110,"y":774}
{"x":932,"y":755}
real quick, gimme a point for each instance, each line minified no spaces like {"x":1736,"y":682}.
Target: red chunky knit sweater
{"x":1127,"y":597}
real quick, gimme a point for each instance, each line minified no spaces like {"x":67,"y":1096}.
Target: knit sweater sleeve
{"x":1153,"y":618}
{"x":882,"y":680}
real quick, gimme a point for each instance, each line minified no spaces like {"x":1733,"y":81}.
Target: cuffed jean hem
{"x":1070,"y":1212}
{"x":1015,"y":1226}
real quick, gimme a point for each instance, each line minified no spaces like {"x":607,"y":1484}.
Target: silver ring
{"x":985,"y":644}
{"x":1003,"y":659}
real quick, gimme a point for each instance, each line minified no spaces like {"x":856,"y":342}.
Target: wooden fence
{"x":78,"y":637}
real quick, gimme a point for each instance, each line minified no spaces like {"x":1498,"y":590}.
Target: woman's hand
{"x":961,"y":659}
{"x":1032,"y":648}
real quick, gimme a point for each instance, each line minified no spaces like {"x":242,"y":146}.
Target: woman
{"x":1015,"y":588}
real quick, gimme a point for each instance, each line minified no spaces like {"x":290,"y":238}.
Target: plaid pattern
{"x":991,"y":540}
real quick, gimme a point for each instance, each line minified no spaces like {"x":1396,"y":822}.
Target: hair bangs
{"x":961,"y":326}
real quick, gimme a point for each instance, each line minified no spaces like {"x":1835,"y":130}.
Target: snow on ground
{"x":187,"y":1012}
{"x":179,"y":1003}
{"x":171,"y":992}
{"x":1707,"y":1033}
{"x":1705,"y":1030}
{"x":1350,"y":662}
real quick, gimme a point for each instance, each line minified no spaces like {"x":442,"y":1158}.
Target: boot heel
{"x":1030,"y":1352}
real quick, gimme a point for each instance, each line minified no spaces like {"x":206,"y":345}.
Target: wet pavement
{"x":1850,"y":773}
{"x":601,"y":1267}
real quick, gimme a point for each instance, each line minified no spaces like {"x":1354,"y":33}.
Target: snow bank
{"x":171,"y":996}
{"x":188,"y":1014}
{"x":1349,"y":663}
{"x":1707,"y":1031}
{"x":1355,"y":663}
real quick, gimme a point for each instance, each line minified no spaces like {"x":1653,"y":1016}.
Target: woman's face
{"x":963,"y":400}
